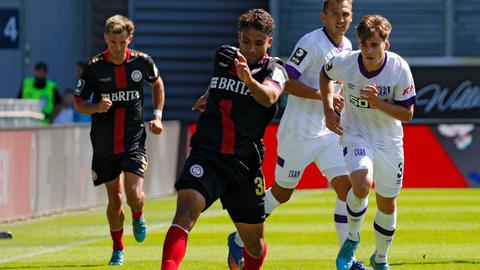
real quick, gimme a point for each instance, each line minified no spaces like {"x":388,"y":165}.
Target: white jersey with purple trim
{"x":395,"y":83}
{"x":303,"y":118}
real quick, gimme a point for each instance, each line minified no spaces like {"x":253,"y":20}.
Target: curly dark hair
{"x":257,"y":19}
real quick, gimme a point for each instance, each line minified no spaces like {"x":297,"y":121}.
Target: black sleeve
{"x":276,"y":72}
{"x":224,"y":57}
{"x":84,"y":86}
{"x":57,"y":99}
{"x":152,"y":71}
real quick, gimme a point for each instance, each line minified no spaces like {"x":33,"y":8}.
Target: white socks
{"x":356,"y":209}
{"x":384,"y":228}
{"x":270,"y":202}
{"x":340,"y":218}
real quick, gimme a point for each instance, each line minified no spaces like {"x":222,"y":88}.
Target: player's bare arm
{"x":85,"y":107}
{"x":158,"y":95}
{"x":264,"y":93}
{"x":370,"y":93}
{"x":299,"y":89}
{"x":332,"y":119}
{"x":201,"y":102}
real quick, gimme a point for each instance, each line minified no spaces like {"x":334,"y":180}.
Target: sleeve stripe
{"x":292,"y":72}
{"x":407,"y":103}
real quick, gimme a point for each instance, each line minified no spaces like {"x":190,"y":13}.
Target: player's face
{"x":253,"y":44}
{"x":117,"y":44}
{"x":337,"y":19}
{"x":373,"y":51}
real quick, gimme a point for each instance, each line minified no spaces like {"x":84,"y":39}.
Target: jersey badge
{"x":136,"y":75}
{"x":298,"y":56}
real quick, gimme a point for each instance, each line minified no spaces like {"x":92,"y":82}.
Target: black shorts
{"x":237,"y":182}
{"x":105,"y":169}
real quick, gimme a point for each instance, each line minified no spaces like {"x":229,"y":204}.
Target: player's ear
{"x":269,"y":41}
{"x":387,"y":45}
{"x":130,"y":38}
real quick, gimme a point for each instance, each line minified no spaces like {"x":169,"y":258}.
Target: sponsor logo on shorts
{"x":94,"y":175}
{"x":136,"y":75}
{"x":196,"y":170}
{"x":293,"y":174}
{"x":298,"y":56}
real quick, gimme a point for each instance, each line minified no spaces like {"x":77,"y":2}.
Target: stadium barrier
{"x":48,"y":169}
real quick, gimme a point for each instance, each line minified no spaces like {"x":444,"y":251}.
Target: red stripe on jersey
{"x":120,"y":77}
{"x":119,"y":131}
{"x":228,"y":136}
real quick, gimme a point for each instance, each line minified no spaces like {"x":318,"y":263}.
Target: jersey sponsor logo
{"x":79,"y":88}
{"x":228,"y":84}
{"x":408,"y":90}
{"x":196,"y":170}
{"x":358,"y":102}
{"x":122,"y":95}
{"x":298,"y":56}
{"x":136,"y":75}
{"x":106,"y":79}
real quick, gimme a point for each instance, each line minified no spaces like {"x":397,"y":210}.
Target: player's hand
{"x":155,"y":125}
{"x":243,"y":71}
{"x":200,"y":103}
{"x":332,"y":121}
{"x":370,"y":93}
{"x":338,"y":103}
{"x":103,"y":105}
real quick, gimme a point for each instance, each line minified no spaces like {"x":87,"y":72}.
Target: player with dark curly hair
{"x":227,"y":149}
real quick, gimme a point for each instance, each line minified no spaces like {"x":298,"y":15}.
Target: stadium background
{"x":439,"y":38}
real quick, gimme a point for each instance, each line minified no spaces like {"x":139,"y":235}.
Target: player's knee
{"x":362,"y":190}
{"x":115,"y":200}
{"x":135,"y":202}
{"x":186,"y":216}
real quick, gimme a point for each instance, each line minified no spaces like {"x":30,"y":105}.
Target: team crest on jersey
{"x":298,"y":56}
{"x":136,"y":75}
{"x":329,"y":64}
{"x":196,"y":170}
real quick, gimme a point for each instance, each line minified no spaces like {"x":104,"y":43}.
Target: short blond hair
{"x":372,"y":24}
{"x":117,"y":24}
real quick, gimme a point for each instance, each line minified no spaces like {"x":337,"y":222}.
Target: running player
{"x":380,"y":95}
{"x":116,"y":78}
{"x":227,"y":148}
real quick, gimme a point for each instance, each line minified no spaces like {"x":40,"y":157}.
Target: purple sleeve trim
{"x":292,"y":72}
{"x":407,"y":103}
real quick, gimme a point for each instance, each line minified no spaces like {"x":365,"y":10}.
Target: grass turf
{"x":437,"y":229}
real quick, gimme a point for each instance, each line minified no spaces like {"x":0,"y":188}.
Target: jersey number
{"x":10,"y":29}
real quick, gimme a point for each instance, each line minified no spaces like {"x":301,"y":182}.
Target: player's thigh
{"x":205,"y":174}
{"x":133,"y":185}
{"x":105,"y":169}
{"x":358,"y":155}
{"x":330,"y":159}
{"x":134,"y":162}
{"x":293,"y":157}
{"x":388,"y":172}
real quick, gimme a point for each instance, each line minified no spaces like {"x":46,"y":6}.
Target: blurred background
{"x":440,"y":39}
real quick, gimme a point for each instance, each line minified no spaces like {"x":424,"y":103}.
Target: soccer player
{"x":380,"y":95}
{"x":227,"y":149}
{"x":302,"y":135}
{"x":116,"y":78}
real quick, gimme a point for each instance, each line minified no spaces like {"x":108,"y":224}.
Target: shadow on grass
{"x":438,"y":262}
{"x":52,"y":266}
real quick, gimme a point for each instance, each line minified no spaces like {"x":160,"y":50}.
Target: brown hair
{"x":326,"y":2}
{"x":117,"y":24}
{"x":372,"y":24}
{"x":257,"y":19}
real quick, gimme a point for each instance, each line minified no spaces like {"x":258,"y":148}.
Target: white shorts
{"x":386,"y":164}
{"x":295,"y":156}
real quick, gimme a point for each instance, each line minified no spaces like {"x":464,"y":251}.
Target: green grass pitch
{"x":437,"y":229}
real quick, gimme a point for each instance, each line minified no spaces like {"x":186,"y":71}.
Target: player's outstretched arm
{"x":299,"y":89}
{"x":264,"y":93}
{"x":158,"y":95}
{"x":332,"y":119}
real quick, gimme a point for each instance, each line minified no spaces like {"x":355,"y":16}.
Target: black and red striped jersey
{"x":121,"y":128}
{"x":233,"y":122}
